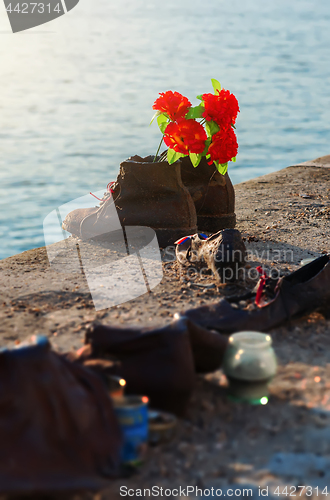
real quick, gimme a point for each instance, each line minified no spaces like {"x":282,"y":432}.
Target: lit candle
{"x":116,"y":386}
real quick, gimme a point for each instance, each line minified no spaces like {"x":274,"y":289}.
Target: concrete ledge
{"x":284,"y":217}
{"x":322,"y":161}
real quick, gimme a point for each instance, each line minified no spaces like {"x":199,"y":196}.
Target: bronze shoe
{"x":144,"y":194}
{"x":302,"y":291}
{"x":157,"y":363}
{"x":58,"y":429}
{"x":160,"y":363}
{"x":212,"y":193}
{"x":223,"y":252}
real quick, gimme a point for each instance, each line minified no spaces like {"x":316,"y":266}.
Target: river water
{"x":77,"y":93}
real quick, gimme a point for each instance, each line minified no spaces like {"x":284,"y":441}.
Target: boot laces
{"x":261,"y":286}
{"x":108,"y":193}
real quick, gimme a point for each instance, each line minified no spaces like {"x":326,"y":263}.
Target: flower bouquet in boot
{"x":203,"y":138}
{"x":150,"y":192}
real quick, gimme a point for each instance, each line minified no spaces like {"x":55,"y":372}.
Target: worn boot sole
{"x":165,"y":237}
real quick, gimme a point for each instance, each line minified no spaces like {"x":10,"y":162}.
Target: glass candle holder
{"x":249,"y":365}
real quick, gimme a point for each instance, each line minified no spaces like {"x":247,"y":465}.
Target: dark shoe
{"x":156,"y":363}
{"x":159,"y":363}
{"x":58,"y":429}
{"x":212,"y":193}
{"x":302,"y":291}
{"x":145,"y":194}
{"x":223,"y":252}
{"x":208,"y":347}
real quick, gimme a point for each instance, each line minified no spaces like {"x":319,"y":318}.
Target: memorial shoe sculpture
{"x":159,"y":192}
{"x":223,"y":252}
{"x":213,"y":195}
{"x":146,"y":193}
{"x":58,"y":430}
{"x":273,"y":302}
{"x":158,"y":362}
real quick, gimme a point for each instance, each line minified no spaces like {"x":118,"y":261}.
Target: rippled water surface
{"x":76,"y":94}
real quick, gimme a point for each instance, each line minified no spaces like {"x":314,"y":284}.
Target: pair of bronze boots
{"x":174,"y":200}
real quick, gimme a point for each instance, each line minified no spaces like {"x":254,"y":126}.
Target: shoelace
{"x":262,"y":283}
{"x":109,"y":190}
{"x":186,"y":238}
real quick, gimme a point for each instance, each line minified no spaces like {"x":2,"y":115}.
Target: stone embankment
{"x":284,"y":218}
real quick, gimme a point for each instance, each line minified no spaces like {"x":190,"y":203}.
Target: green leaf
{"x":162,"y":127}
{"x":173,"y":156}
{"x":170,"y":155}
{"x":233,"y":159}
{"x":162,"y":121}
{"x":221,"y":167}
{"x":216,"y":85}
{"x":200,"y":97}
{"x":195,"y":159}
{"x":155,"y":116}
{"x":211,"y":128}
{"x":195,"y":112}
{"x":162,"y":118}
{"x":207,"y":145}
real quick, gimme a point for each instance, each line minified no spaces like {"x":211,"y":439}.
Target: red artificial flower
{"x":175,"y":105}
{"x":185,"y":136}
{"x":221,"y":108}
{"x":223,"y":146}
